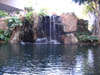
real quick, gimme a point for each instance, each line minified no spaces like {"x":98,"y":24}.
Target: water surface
{"x":30,"y":59}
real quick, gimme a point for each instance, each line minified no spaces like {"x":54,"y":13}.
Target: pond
{"x":32,"y":59}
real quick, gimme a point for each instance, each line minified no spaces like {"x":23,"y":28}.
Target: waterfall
{"x":49,"y":30}
{"x":53,"y":26}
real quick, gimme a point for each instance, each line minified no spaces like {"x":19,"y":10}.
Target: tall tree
{"x":95,"y":5}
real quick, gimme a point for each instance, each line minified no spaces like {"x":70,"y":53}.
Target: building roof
{"x":8,"y":8}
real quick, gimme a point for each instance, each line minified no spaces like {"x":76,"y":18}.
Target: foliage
{"x":17,"y":12}
{"x":13,"y":22}
{"x":29,"y":15}
{"x":5,"y":35}
{"x":3,"y":13}
{"x":42,"y":12}
{"x":82,"y":33}
{"x":28,"y":9}
{"x":82,"y":1}
{"x":87,"y":8}
{"x":86,"y":37}
{"x":1,"y":34}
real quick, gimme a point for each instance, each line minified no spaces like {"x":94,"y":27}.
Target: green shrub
{"x":5,"y":35}
{"x":13,"y":22}
{"x":28,"y":9}
{"x":82,"y":33}
{"x":1,"y":34}
{"x":87,"y":38}
{"x":29,"y":15}
{"x":42,"y":12}
{"x":17,"y":12}
{"x":3,"y":13}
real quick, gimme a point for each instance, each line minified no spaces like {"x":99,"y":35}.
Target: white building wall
{"x":15,"y":3}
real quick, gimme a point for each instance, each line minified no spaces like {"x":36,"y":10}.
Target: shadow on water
{"x":32,"y":59}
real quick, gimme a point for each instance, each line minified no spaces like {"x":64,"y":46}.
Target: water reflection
{"x":32,"y":59}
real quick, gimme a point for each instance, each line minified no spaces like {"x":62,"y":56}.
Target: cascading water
{"x":53,"y":35}
{"x":50,"y":30}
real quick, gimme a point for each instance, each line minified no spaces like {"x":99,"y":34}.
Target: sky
{"x":58,"y":6}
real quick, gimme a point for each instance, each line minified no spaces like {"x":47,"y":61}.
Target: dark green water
{"x":16,"y":59}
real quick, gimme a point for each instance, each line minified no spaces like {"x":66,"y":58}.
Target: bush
{"x":5,"y":35}
{"x":3,"y":13}
{"x":87,"y":38}
{"x":1,"y":34}
{"x":13,"y":22}
{"x":42,"y":12}
{"x":29,"y":15}
{"x":28,"y":9}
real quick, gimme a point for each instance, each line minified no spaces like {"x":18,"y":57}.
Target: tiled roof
{"x":8,"y":8}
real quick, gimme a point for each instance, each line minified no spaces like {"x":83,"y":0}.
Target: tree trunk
{"x":97,"y":26}
{"x":99,"y":23}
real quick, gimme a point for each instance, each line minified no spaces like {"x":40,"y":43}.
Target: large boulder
{"x":3,"y":24}
{"x":15,"y":35}
{"x":69,"y":39}
{"x":70,"y":22}
{"x":35,"y":26}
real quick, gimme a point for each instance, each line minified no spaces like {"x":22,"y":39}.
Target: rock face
{"x":15,"y":35}
{"x":69,"y":39}
{"x":26,"y":32}
{"x":35,"y":26}
{"x":69,"y":21}
{"x":82,"y":25}
{"x":3,"y":24}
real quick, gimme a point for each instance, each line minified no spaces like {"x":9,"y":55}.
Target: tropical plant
{"x":42,"y":12}
{"x":28,"y":9}
{"x":87,"y":38}
{"x":13,"y":22}
{"x":88,"y":9}
{"x":17,"y":12}
{"x":1,"y":34}
{"x":29,"y":15}
{"x":3,"y":13}
{"x":5,"y":35}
